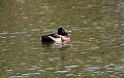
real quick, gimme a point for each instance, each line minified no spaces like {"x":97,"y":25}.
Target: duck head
{"x":62,"y":31}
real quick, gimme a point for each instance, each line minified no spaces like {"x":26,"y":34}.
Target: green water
{"x":97,"y":39}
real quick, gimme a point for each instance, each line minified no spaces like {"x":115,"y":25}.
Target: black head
{"x":62,"y":31}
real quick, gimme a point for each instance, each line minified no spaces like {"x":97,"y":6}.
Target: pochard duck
{"x":62,"y":35}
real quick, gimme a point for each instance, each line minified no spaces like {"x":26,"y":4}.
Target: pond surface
{"x":97,"y":39}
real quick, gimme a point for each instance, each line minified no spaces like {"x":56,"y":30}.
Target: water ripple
{"x":110,"y":70}
{"x":91,"y":69}
{"x":119,"y":68}
{"x":71,"y":66}
{"x":49,"y":68}
{"x":10,"y":71}
{"x":3,"y":32}
{"x":41,"y":71}
{"x":4,"y":50}
{"x":12,"y":36}
{"x":33,"y":30}
{"x":25,"y":75}
{"x":16,"y":77}
{"x":4,"y":37}
{"x":33,"y":68}
{"x":69,"y":75}
{"x":62,"y":71}
{"x":52,"y":59}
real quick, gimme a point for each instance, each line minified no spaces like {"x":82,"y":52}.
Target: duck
{"x":62,"y":35}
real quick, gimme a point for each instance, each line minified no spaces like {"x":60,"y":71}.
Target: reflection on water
{"x":56,"y":45}
{"x":97,"y":39}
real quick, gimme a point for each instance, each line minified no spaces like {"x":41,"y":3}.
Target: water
{"x":97,"y":39}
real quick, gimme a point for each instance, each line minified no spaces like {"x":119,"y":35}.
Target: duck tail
{"x":41,"y":38}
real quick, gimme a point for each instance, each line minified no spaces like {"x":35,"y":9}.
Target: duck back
{"x":46,"y":38}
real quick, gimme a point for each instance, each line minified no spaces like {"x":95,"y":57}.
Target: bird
{"x":62,"y":35}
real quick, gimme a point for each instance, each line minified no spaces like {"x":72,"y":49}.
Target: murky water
{"x":97,"y":39}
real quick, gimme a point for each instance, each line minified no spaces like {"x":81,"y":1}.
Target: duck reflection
{"x":61,"y":45}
